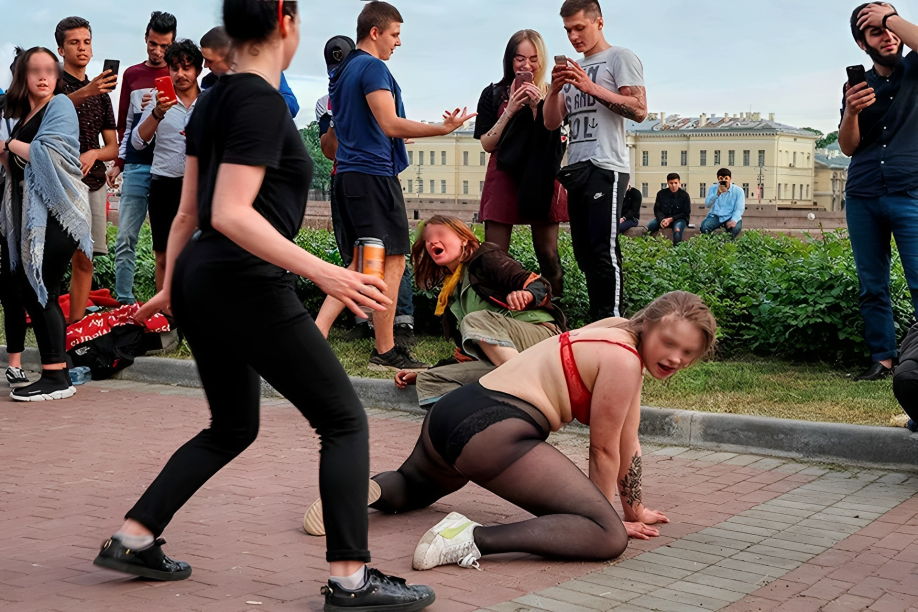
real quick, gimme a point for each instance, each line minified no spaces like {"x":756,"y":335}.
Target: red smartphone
{"x":164,"y":87}
{"x":523,"y":77}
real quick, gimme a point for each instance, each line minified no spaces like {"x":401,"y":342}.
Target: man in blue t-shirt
{"x":371,"y":128}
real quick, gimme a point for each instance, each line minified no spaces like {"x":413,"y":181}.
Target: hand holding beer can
{"x":370,"y":258}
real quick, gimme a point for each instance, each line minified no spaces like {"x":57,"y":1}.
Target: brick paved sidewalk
{"x":748,"y":533}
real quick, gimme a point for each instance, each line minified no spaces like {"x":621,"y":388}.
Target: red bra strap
{"x":580,"y":397}
{"x":627,"y":347}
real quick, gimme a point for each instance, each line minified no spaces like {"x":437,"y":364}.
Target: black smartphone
{"x":856,"y":75}
{"x":113,"y":65}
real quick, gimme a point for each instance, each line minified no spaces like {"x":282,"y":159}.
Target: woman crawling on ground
{"x":491,"y":307}
{"x":494,"y":433}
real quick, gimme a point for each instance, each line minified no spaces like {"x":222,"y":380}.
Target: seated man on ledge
{"x":671,"y":209}
{"x":727,"y":203}
{"x":905,"y":380}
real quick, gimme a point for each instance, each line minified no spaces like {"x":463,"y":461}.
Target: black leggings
{"x":509,"y":457}
{"x":18,"y":297}
{"x":243,"y":319}
{"x":545,"y":245}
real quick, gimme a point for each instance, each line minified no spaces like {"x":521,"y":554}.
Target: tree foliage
{"x":824,"y":139}
{"x":321,"y":178}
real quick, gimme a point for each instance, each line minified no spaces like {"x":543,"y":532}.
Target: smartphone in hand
{"x":561,"y":60}
{"x":522,"y":77}
{"x":856,"y":75}
{"x":111,"y":65}
{"x":164,"y":87}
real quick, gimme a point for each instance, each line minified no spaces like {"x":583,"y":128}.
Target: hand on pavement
{"x":640,"y":531}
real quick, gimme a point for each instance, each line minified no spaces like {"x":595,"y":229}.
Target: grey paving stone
{"x":689,"y":555}
{"x":717,"y":540}
{"x":732,"y":534}
{"x":710,"y":549}
{"x":585,"y":600}
{"x":783,"y":512}
{"x":796,"y":546}
{"x":738,"y":575}
{"x":737,"y":586}
{"x":719,"y":457}
{"x":751,"y":557}
{"x":752,"y":529}
{"x":855,"y":513}
{"x":767,"y":463}
{"x":780,"y":553}
{"x":742,"y":460}
{"x":629,"y":607}
{"x":601,"y":590}
{"x":670,"y":451}
{"x":686,"y":598}
{"x":814,"y":471}
{"x":801,"y":538}
{"x":894,"y":478}
{"x":859,"y":504}
{"x":545,"y":603}
{"x":758,"y":569}
{"x":512,"y":606}
{"x":708,"y":591}
{"x":836,"y":518}
{"x":696,"y":454}
{"x":828,"y":527}
{"x":791,"y":468}
{"x":629,"y":579}
{"x":664,"y":563}
{"x":824,"y":499}
{"x":840,"y":487}
{"x":767,"y":518}
{"x":664,"y":605}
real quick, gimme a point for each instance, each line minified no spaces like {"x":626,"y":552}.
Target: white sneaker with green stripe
{"x":451,"y":540}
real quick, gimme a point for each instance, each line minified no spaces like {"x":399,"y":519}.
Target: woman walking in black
{"x":246,"y":183}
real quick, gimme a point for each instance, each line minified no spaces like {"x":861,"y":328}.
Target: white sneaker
{"x":16,"y":377}
{"x":449,"y":541}
{"x":314,"y":521}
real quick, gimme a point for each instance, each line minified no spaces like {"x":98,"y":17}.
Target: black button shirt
{"x":886,"y":160}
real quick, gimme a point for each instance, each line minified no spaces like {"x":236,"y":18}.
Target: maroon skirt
{"x":499,"y":200}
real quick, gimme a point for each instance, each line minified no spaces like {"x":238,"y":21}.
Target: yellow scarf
{"x":448,"y":287}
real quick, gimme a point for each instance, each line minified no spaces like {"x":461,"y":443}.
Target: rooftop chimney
{"x":662,"y":119}
{"x":702,"y":120}
{"x":771,"y":116}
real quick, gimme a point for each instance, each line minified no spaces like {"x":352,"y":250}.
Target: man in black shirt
{"x":94,"y":109}
{"x":631,"y":210}
{"x":671,"y":209}
{"x":879,"y":130}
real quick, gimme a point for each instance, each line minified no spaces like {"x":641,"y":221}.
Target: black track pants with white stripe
{"x":594,"y":212}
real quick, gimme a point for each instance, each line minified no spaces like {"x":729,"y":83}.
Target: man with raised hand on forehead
{"x":596,"y":95}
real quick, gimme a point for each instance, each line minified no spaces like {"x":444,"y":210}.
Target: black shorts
{"x":165,"y":195}
{"x":372,"y":207}
{"x":469,"y":410}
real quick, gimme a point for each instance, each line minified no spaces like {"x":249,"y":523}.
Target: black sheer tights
{"x":545,"y":245}
{"x":574,"y":519}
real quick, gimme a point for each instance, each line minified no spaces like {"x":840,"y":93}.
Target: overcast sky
{"x":786,"y":57}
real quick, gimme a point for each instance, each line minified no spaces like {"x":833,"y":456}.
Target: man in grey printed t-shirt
{"x":597,"y":95}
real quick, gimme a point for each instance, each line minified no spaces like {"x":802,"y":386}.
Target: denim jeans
{"x":132,"y":212}
{"x":711,"y":223}
{"x":678,"y":228}
{"x":404,"y":308}
{"x":872,"y":222}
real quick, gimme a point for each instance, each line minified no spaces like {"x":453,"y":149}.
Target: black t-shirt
{"x":488,"y":108}
{"x":243,"y":120}
{"x":25,"y":131}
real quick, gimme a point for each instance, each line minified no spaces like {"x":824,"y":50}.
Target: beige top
{"x":537,"y":375}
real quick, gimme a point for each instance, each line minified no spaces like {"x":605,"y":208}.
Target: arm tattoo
{"x":639,"y":94}
{"x":631,"y":483}
{"x":498,"y":128}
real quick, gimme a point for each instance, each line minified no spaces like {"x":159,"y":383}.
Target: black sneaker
{"x":53,"y":385}
{"x":404,"y":336}
{"x":395,"y":360}
{"x":380,"y":592}
{"x":147,"y":563}
{"x":361,"y":331}
{"x":16,"y":377}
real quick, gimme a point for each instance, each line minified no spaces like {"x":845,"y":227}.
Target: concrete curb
{"x":886,"y":447}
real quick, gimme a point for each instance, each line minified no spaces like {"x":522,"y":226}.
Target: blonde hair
{"x":676,"y":305}
{"x":539,"y":77}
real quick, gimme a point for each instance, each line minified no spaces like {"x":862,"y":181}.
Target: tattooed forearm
{"x":636,"y":106}
{"x":498,"y":128}
{"x":630,"y":485}
{"x":620,"y":109}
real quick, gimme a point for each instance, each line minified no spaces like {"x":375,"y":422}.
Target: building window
{"x":410,"y":186}
{"x":483,"y":160}
{"x":746,"y":158}
{"x":442,"y":186}
{"x":465,"y":184}
{"x":703,"y":190}
{"x":683,"y":158}
{"x":801,"y":192}
{"x":420,"y":158}
{"x":793,"y":192}
{"x":807,"y":191}
{"x":480,"y":186}
{"x":465,"y":158}
{"x":761,"y":157}
{"x":746,"y":189}
{"x":420,"y":186}
{"x":433,"y":158}
{"x":664,"y":158}
{"x":645,"y":190}
{"x":795,"y":159}
{"x":645,"y":158}
{"x":410,"y":158}
{"x":779,"y":191}
{"x":786,"y":186}
{"x":716,"y":158}
{"x":704,"y":158}
{"x":432,"y":188}
{"x":731,"y":158}
{"x":442,"y":158}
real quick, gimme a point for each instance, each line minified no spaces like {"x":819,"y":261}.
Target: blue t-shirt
{"x":362,"y":145}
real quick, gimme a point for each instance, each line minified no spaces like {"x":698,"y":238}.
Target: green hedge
{"x":771,"y":295}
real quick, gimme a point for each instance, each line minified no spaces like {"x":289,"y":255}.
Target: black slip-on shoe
{"x":53,"y":385}
{"x":404,"y":336}
{"x":381,"y":592}
{"x":877,"y":371}
{"x":395,"y":360}
{"x":147,"y":563}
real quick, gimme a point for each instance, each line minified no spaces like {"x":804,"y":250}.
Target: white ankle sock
{"x":133,"y":542}
{"x":353,"y":582}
